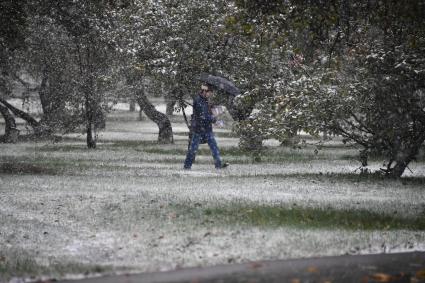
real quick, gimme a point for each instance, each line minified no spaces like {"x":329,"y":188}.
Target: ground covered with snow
{"x":128,"y":206}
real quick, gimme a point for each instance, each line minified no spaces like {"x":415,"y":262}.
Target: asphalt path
{"x":399,"y":267}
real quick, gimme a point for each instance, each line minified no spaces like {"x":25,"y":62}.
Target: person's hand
{"x":219,"y":123}
{"x":217,"y":111}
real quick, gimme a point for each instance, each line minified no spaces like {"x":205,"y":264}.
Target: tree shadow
{"x":349,"y":177}
{"x":21,"y":168}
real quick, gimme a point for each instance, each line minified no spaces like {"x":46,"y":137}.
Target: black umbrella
{"x":220,"y":83}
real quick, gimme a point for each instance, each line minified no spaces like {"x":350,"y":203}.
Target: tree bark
{"x":403,"y":158}
{"x":42,"y":93}
{"x":11,"y":133}
{"x":37,"y":127}
{"x":91,"y":141}
{"x":91,"y":138}
{"x":165,"y":130}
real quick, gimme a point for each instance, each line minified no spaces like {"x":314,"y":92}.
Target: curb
{"x":398,"y":267}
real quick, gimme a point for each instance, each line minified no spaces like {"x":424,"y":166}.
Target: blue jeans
{"x":194,"y":144}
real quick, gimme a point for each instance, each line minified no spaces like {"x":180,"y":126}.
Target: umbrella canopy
{"x":220,"y":83}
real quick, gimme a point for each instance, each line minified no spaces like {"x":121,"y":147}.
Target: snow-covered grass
{"x":128,"y":205}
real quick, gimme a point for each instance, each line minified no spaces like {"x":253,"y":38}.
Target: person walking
{"x":201,"y":127}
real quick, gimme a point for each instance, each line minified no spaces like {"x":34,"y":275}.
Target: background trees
{"x":353,"y":69}
{"x":361,"y":75}
{"x":66,"y":52}
{"x":12,"y":23}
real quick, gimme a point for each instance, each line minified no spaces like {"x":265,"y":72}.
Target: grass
{"x":353,"y":178}
{"x":313,"y":218}
{"x":26,"y":168}
{"x":18,"y":263}
{"x":265,"y":156}
{"x":54,"y":167}
{"x":38,"y":165}
{"x":276,"y":155}
{"x":42,"y":165}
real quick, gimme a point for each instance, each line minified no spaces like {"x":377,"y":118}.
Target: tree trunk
{"x":11,"y":133}
{"x":91,"y":141}
{"x":404,"y":157}
{"x":54,"y":109}
{"x":91,"y":138}
{"x":165,"y":130}
{"x":91,"y":101}
{"x":37,"y":127}
{"x":42,"y":93}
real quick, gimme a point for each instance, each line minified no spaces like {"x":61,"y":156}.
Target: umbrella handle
{"x":184,"y":103}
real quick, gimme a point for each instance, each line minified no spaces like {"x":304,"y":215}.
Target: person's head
{"x":206,"y":90}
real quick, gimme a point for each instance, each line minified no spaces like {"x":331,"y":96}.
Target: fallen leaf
{"x":381,"y":277}
{"x":312,"y":269}
{"x":400,"y":276}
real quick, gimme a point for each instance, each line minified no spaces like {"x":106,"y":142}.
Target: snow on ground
{"x":72,"y":211}
{"x":136,"y":208}
{"x":133,"y":222}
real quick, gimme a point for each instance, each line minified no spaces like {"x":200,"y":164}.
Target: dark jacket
{"x":202,"y":119}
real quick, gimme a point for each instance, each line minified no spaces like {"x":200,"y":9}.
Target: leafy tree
{"x":132,"y":36}
{"x":361,"y":78}
{"x":12,"y":24}
{"x":67,"y":51}
{"x":173,"y":42}
{"x":87,"y":25}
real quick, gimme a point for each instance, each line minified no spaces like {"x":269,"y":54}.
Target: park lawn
{"x":127,"y":206}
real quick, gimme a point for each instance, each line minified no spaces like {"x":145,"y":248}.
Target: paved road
{"x":401,"y":267}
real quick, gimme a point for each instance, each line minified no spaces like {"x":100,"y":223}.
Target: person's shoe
{"x":186,"y":168}
{"x":223,"y":165}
